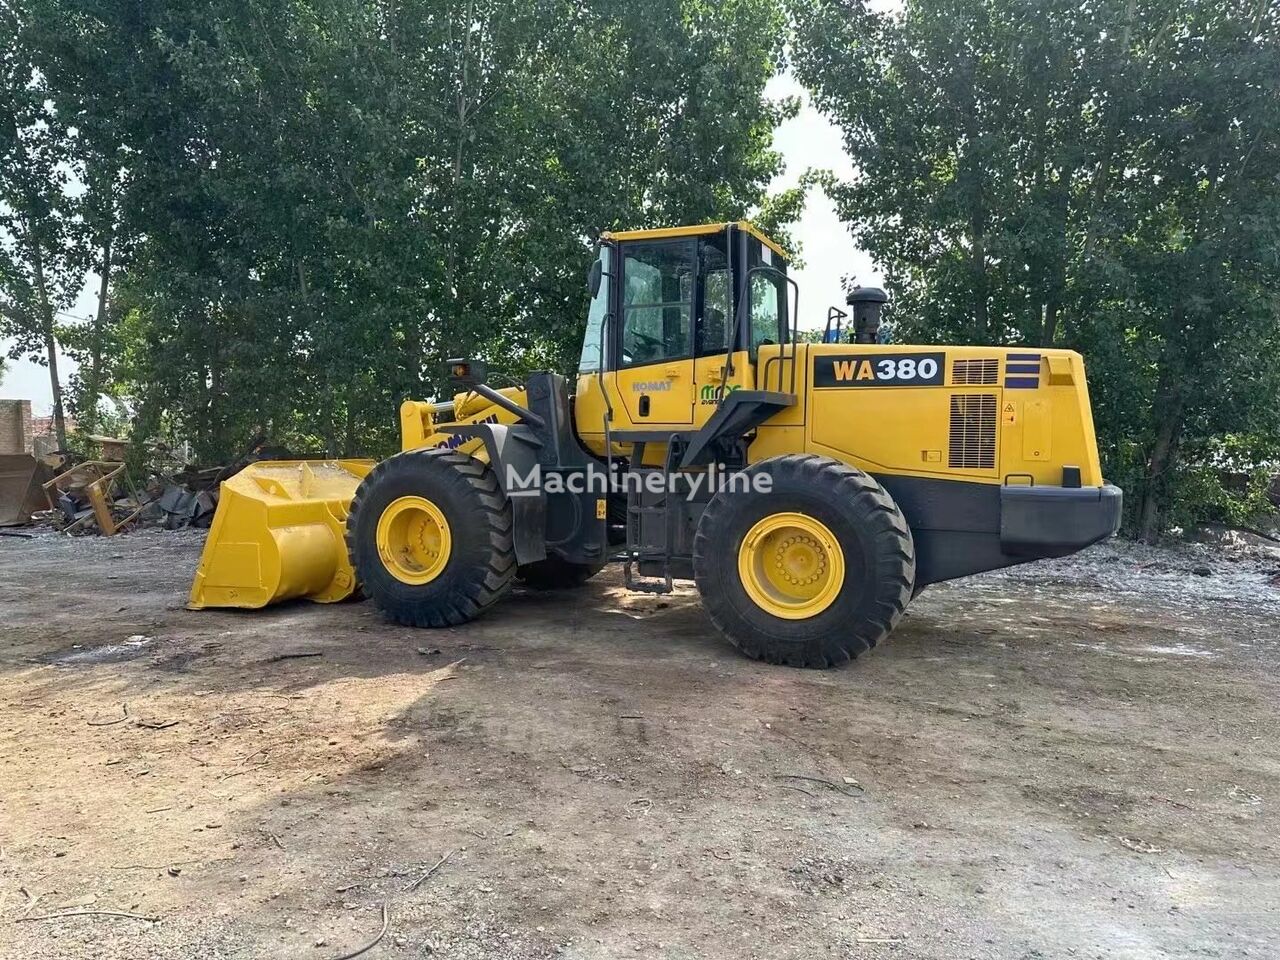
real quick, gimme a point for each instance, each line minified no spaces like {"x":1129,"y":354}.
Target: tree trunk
{"x":50,"y":340}
{"x":349,"y":441}
{"x":1050,"y":329}
{"x":1055,"y":270}
{"x":215,"y":433}
{"x":59,"y":417}
{"x":1098,"y":188}
{"x":979,"y":263}
{"x":1164,"y":450}
{"x":975,"y":196}
{"x":330,"y":429}
{"x":94,"y":381}
{"x":464,"y":119}
{"x":1163,"y":454}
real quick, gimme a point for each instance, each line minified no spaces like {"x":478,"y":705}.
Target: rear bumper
{"x":1042,"y":521}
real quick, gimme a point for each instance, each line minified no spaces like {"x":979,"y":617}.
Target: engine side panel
{"x":974,"y":414}
{"x":945,"y":430}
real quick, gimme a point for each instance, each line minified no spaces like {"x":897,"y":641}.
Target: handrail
{"x":727,"y":370}
{"x":608,"y":404}
{"x":509,"y":405}
{"x":834,"y":313}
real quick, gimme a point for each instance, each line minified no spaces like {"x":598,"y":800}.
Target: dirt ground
{"x":1074,"y":759}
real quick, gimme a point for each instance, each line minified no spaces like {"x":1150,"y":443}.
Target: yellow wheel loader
{"x":811,"y":489}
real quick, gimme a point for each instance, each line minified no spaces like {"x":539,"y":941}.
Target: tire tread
{"x":894,"y":565}
{"x":481,"y":586}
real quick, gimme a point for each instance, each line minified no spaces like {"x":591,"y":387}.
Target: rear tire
{"x":466,"y":576}
{"x":876,"y":563}
{"x":555,"y":573}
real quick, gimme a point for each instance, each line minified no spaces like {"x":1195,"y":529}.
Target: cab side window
{"x":657,"y":302}
{"x":715,"y":299}
{"x":768,"y":299}
{"x":766,"y":310}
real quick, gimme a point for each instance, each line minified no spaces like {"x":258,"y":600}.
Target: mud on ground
{"x":1070,"y":759}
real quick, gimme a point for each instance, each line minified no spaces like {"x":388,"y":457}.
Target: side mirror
{"x":593,"y":278}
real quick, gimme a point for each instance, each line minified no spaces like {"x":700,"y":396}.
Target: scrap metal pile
{"x":73,"y":495}
{"x":93,"y":493}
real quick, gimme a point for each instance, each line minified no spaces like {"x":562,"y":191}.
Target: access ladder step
{"x":645,"y":584}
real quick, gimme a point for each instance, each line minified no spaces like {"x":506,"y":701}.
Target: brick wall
{"x":15,"y":426}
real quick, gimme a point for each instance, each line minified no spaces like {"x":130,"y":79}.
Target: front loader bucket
{"x":278,"y":534}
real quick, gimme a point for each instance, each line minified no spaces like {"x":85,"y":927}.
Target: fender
{"x":514,"y":450}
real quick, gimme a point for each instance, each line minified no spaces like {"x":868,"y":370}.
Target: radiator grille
{"x":975,"y":371}
{"x":973,"y":431}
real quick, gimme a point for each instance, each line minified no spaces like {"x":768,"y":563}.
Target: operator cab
{"x":676,"y":322}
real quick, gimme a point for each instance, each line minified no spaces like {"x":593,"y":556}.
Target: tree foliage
{"x":1103,"y":176}
{"x":301,"y":207}
{"x":41,"y":251}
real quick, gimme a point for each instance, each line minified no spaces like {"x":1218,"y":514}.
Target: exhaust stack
{"x":866,"y":304}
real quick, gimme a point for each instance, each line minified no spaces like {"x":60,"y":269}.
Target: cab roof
{"x":697,"y":230}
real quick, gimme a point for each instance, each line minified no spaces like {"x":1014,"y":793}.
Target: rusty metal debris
{"x":101,"y":496}
{"x":183,"y":507}
{"x":113,"y":501}
{"x":22,"y":477}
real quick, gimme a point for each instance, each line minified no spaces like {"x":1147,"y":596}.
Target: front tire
{"x":429,"y":535}
{"x":810,"y":574}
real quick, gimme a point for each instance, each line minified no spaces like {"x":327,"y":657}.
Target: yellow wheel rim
{"x":791,"y":565}
{"x":413,"y":540}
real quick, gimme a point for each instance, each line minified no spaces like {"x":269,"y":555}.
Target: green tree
{"x":1101,"y":176}
{"x":40,"y":234}
{"x":321,"y":200}
{"x":96,"y":81}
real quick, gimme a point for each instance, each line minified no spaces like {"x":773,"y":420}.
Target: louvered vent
{"x":975,"y":371}
{"x":973,"y":431}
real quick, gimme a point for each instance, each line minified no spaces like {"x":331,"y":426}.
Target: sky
{"x":808,"y":140}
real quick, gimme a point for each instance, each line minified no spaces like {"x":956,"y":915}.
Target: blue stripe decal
{"x":1023,"y":356}
{"x":1022,"y":368}
{"x":1022,"y":383}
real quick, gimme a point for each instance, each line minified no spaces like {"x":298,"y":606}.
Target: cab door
{"x":654,"y":359}
{"x":763,"y":322}
{"x":714,"y":378}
